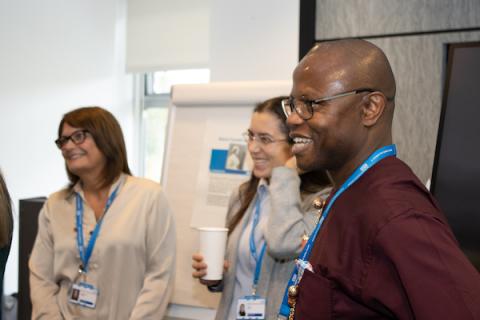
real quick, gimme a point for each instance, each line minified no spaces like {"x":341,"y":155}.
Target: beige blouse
{"x":132,"y":263}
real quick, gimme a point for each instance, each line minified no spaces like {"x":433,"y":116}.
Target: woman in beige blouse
{"x":105,"y":247}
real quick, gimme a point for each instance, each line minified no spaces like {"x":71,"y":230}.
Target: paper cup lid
{"x":213,"y":229}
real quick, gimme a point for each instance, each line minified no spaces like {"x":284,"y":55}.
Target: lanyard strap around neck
{"x":86,"y":253}
{"x":374,"y":158}
{"x":253,"y":248}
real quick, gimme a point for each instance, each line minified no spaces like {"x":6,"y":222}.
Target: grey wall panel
{"x":355,"y":18}
{"x":419,"y":61}
{"x":419,"y":65}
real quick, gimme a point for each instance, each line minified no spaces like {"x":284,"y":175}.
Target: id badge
{"x":83,"y":294}
{"x":251,"y":307}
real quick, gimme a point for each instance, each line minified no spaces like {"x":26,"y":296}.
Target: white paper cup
{"x":212,"y":247}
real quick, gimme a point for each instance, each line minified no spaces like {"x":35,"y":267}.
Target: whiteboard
{"x":193,"y":108}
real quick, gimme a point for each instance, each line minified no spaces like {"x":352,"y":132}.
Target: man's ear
{"x":373,"y":108}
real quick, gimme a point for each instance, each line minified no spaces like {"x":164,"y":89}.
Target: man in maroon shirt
{"x":385,"y":250}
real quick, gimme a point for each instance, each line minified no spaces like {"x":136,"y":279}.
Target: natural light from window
{"x":164,"y":80}
{"x":155,"y":114}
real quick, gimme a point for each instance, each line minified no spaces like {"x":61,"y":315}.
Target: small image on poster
{"x":235,"y":157}
{"x":229,"y":160}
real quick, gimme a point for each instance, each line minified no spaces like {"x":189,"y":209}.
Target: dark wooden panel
{"x":29,"y":210}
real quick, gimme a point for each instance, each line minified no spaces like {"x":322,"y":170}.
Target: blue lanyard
{"x":253,"y":247}
{"x":374,"y":158}
{"x":86,"y":253}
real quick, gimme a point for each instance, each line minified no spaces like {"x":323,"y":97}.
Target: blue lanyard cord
{"x":374,"y":158}
{"x":85,"y":254}
{"x":258,"y":268}
{"x":253,"y":248}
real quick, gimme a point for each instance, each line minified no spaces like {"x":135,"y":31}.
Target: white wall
{"x":166,"y":34}
{"x":55,"y":55}
{"x":254,"y":40}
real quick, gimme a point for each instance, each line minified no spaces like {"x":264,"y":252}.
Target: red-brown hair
{"x":108,"y":137}
{"x":6,"y":220}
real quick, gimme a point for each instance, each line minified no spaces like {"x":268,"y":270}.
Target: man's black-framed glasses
{"x":77,"y":137}
{"x":304,"y":108}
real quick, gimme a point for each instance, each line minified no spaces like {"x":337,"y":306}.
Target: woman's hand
{"x":200,"y":268}
{"x":292,"y":164}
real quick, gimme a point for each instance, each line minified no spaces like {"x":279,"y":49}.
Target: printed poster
{"x":224,"y":165}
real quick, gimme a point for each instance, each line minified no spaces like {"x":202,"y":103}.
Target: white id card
{"x":251,"y":307}
{"x":83,"y":294}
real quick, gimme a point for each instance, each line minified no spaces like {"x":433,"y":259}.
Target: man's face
{"x":333,"y":135}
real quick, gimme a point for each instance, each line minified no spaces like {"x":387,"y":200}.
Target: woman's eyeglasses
{"x":77,"y":137}
{"x":260,"y":138}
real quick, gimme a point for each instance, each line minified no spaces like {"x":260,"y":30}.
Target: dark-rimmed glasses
{"x":263,"y":139}
{"x":77,"y":137}
{"x":304,"y":108}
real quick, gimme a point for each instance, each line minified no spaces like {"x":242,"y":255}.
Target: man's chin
{"x":304,"y":164}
